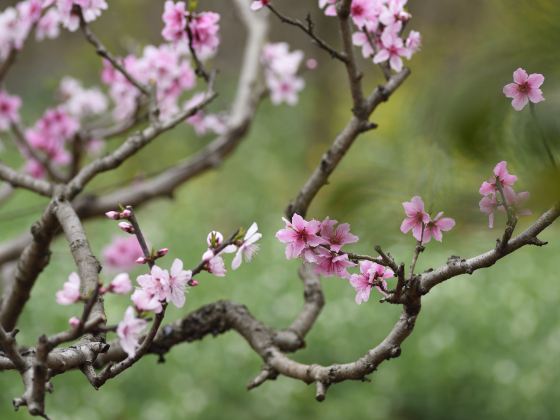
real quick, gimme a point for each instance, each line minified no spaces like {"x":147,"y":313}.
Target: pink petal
{"x":510,"y":90}
{"x":535,"y":80}
{"x":520,"y":102}
{"x":536,"y":96}
{"x":520,"y":76}
{"x":445,"y":224}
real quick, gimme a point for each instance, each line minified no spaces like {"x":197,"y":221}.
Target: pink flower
{"x":214,"y":263}
{"x":392,"y":49}
{"x":204,"y":28}
{"x":48,"y":26}
{"x":70,"y":292}
{"x":506,"y":179}
{"x":80,"y":102}
{"x":9,"y":109}
{"x":248,"y":248}
{"x":121,"y":284}
{"x":281,"y":67}
{"x":370,"y":273}
{"x":394,"y":12}
{"x":285,"y":90}
{"x":122,"y":253}
{"x":143,"y":301}
{"x":74,"y":322}
{"x":91,"y":10}
{"x":299,"y":234}
{"x":416,"y":217}
{"x":337,"y":237}
{"x":489,"y":204}
{"x":360,"y":39}
{"x":176,"y":283}
{"x":175,"y":19}
{"x":437,"y":225}
{"x":129,"y":331}
{"x":413,"y":43}
{"x":154,"y":289}
{"x":332,"y":264}
{"x":524,"y":89}
{"x":329,"y":7}
{"x":365,"y":13}
{"x":259,"y":4}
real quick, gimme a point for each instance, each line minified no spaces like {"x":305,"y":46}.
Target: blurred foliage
{"x":485,"y":346}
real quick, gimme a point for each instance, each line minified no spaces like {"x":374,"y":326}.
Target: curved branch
{"x":341,"y":144}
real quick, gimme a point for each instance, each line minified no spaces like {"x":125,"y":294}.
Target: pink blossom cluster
{"x":166,"y":66}
{"x":380,"y":25}
{"x":46,"y":16}
{"x":9,"y":109}
{"x":281,"y":67}
{"x":492,"y":199}
{"x":16,"y":23}
{"x":423,"y":226}
{"x":79,"y":101}
{"x":49,"y":136}
{"x":318,"y":243}
{"x":68,"y":15}
{"x":524,"y":89}
{"x":203,"y":27}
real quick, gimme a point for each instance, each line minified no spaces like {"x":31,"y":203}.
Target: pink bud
{"x":142,"y":260}
{"x":311,"y":64}
{"x":113,"y":215}
{"x":126,"y":213}
{"x":162,"y":252}
{"x":192,"y":283}
{"x":74,"y":322}
{"x":126,"y":227}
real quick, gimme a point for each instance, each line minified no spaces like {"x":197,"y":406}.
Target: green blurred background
{"x":485,"y":346}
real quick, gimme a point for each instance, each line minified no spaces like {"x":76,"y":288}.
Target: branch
{"x":457,"y":266}
{"x":18,"y":180}
{"x":130,"y":147}
{"x":103,"y":52}
{"x":309,"y":29}
{"x":341,"y":144}
{"x":87,"y":264}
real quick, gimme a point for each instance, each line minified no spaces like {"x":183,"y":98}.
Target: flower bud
{"x":214,"y":239}
{"x":162,"y":252}
{"x":113,"y":215}
{"x":74,"y":322}
{"x":126,"y":213}
{"x":192,"y":283}
{"x":126,"y":227}
{"x":142,"y":260}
